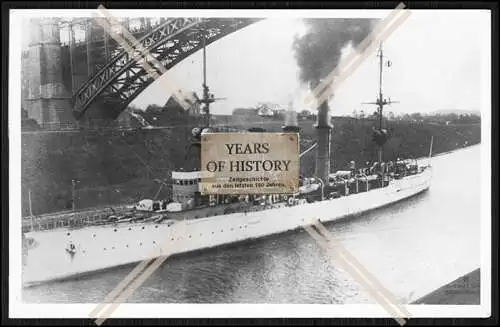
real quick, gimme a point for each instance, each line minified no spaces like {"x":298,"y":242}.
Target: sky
{"x":440,"y":60}
{"x":436,"y":64}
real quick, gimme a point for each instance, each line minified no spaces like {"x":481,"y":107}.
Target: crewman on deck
{"x":352,"y":165}
{"x":390,"y":167}
{"x":367,"y":168}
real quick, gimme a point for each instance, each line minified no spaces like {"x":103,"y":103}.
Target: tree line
{"x":451,"y":118}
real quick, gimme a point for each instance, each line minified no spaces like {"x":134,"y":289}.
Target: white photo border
{"x":18,"y":309}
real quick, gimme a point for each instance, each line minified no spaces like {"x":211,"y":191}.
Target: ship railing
{"x":90,"y":210}
{"x":70,"y":221}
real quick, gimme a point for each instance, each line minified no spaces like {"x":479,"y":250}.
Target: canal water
{"x":412,"y":247}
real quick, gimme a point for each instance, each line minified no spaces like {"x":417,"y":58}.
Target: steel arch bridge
{"x":121,"y":80}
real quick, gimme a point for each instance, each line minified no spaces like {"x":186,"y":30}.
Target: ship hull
{"x":99,"y":248}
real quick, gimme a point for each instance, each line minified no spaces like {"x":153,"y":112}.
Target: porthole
{"x":154,"y":242}
{"x":104,"y":249}
{"x":93,"y":235}
{"x":213,"y":233}
{"x":126,"y":246}
{"x":189,"y":236}
{"x":130,"y":228}
{"x":142,"y":227}
{"x":68,"y":234}
{"x":140,"y":244}
{"x":115,"y":229}
{"x":156,"y":226}
{"x":172,"y":239}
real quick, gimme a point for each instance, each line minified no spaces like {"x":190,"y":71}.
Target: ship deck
{"x":125,"y":214}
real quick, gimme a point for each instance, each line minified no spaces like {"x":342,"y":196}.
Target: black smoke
{"x":319,"y":50}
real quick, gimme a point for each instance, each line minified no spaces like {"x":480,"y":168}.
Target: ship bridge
{"x":185,"y":185}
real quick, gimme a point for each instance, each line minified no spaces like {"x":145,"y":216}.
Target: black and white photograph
{"x":383,"y":208}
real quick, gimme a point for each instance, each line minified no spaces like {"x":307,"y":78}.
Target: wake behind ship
{"x":190,"y":221}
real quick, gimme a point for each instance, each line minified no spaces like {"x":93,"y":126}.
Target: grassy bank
{"x":463,"y":290}
{"x":115,"y":166}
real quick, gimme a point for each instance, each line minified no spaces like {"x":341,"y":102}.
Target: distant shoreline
{"x":451,"y":151}
{"x":457,"y":149}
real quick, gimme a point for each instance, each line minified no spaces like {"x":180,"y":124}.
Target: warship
{"x":190,"y":221}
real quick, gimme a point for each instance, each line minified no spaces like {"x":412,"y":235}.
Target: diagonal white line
{"x":123,"y":296}
{"x":348,"y":65}
{"x":125,"y":289}
{"x":124,"y":283}
{"x":357,"y":271}
{"x":347,"y":266}
{"x":359,"y":60}
{"x":361,"y":268}
{"x":137,"y":52}
{"x":361,"y":48}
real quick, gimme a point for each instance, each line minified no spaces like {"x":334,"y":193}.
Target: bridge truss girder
{"x":120,"y":81}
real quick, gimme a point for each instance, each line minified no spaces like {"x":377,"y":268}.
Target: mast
{"x":430,"y":148}
{"x":204,"y":61}
{"x":430,"y":151}
{"x":380,"y":101}
{"x":31,"y":209}
{"x":206,"y":95}
{"x":380,"y":134}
